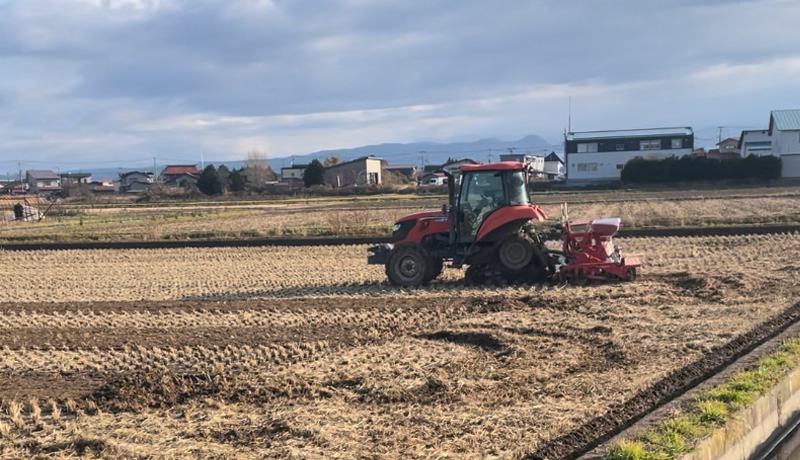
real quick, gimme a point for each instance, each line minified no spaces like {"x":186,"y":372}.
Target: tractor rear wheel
{"x":409,"y":265}
{"x":515,"y":253}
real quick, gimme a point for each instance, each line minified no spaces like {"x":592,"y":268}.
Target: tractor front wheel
{"x":436,"y":267}
{"x":409,"y":265}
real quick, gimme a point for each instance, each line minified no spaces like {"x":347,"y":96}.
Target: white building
{"x":293,"y":173}
{"x":755,"y":142}
{"x":554,"y":166}
{"x":535,"y":162}
{"x":599,"y":156}
{"x":784,"y":127}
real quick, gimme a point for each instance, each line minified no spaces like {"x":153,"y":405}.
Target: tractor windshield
{"x":517,"y":189}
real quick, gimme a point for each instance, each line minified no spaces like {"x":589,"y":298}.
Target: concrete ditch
{"x":755,"y":432}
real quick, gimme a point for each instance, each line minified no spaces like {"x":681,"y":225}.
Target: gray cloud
{"x":100,"y":71}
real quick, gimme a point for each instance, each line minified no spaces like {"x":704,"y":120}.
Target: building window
{"x":677,"y":143}
{"x":620,"y":167}
{"x":587,"y":148}
{"x":650,"y":145}
{"x":585,"y":167}
{"x":620,"y":146}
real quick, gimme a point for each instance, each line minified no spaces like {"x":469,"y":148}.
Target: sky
{"x":106,"y":82}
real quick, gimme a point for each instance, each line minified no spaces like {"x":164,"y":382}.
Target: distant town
{"x":589,"y":157}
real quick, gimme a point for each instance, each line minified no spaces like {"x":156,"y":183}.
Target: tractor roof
{"x":501,"y":166}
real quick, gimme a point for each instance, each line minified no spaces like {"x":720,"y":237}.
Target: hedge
{"x":697,"y":168}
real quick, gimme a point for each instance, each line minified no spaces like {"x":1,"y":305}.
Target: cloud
{"x":131,"y":78}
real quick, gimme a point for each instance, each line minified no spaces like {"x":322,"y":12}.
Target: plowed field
{"x":307,"y":353}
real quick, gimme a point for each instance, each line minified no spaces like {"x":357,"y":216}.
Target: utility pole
{"x":422,"y":158}
{"x":202,"y":162}
{"x":155,"y":174}
{"x":569,"y":116}
{"x":720,"y":133}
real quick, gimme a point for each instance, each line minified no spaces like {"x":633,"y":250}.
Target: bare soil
{"x":351,"y":368}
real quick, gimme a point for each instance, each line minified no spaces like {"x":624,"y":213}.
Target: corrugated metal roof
{"x":40,"y":174}
{"x":786,"y":120}
{"x":683,"y":131}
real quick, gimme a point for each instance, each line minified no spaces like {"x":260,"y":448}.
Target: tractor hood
{"x":423,"y":215}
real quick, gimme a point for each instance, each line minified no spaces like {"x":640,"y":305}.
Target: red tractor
{"x":490,"y":226}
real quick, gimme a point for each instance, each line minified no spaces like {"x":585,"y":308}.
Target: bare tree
{"x":257,"y":170}
{"x":331,"y":160}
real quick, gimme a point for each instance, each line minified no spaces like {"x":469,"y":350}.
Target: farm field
{"x":307,"y":353}
{"x":375,"y":217}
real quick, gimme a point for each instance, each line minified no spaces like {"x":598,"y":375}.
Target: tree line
{"x":255,"y":173}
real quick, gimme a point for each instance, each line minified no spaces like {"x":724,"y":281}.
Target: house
{"x":784,"y":128}
{"x":453,"y":166}
{"x":136,"y":181}
{"x":729,"y":145}
{"x":535,"y":162}
{"x":14,"y":187}
{"x":717,"y":154}
{"x":293,"y":175}
{"x":358,"y":172}
{"x":103,"y":187}
{"x":70,"y":178}
{"x":599,"y":156}
{"x":755,"y":142}
{"x":180,"y":175}
{"x":43,"y":182}
{"x":433,"y":178}
{"x":409,"y":171}
{"x":553,"y":166}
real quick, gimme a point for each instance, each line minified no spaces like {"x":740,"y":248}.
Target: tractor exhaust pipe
{"x":451,"y":189}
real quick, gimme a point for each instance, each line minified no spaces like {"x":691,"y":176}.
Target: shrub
{"x":697,"y":168}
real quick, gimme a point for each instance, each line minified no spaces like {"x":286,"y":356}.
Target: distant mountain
{"x":433,"y":153}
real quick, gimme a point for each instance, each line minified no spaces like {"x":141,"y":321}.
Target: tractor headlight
{"x":395,"y":228}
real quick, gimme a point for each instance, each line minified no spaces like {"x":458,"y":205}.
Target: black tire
{"x":409,"y":265}
{"x":436,"y":267}
{"x":515,"y":253}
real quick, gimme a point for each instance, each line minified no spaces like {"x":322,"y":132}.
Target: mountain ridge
{"x":433,"y":153}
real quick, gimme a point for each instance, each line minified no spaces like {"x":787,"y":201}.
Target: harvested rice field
{"x":230,"y":221}
{"x":308,"y":353}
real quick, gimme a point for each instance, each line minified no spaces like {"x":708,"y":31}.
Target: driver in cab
{"x":482,"y":199}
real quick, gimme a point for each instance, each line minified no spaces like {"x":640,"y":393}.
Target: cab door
{"x":481,"y":193}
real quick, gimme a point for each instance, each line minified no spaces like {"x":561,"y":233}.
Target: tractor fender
{"x":506,"y":219}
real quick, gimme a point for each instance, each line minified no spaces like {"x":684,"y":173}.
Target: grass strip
{"x":709,"y":410}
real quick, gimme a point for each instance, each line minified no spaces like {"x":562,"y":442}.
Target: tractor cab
{"x":485,"y":189}
{"x":486,"y":225}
